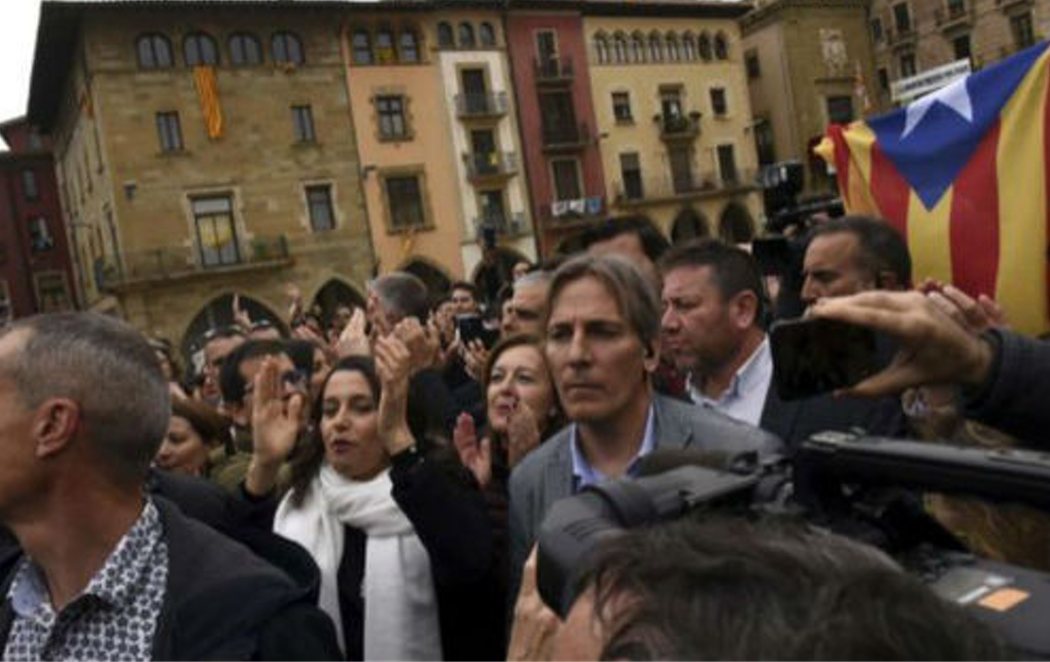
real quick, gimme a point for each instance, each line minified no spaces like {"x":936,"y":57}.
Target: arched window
{"x":673,"y":52}
{"x":199,"y":48}
{"x":244,"y":49}
{"x":154,"y":51}
{"x":385,"y":53}
{"x":656,"y":48}
{"x":286,"y":48}
{"x":361,"y":47}
{"x":486,"y":34}
{"x":619,"y":48}
{"x":638,"y":48}
{"x":466,"y":35}
{"x":409,"y":46}
{"x":721,"y":47}
{"x":445,"y":37}
{"x":704,"y":46}
{"x":601,"y":48}
{"x":689,"y":47}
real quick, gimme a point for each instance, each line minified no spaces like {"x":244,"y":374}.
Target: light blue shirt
{"x":745,"y":398}
{"x":583,"y":474}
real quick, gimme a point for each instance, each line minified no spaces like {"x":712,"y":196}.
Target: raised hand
{"x":934,"y":347}
{"x":534,"y":627}
{"x":475,"y":356}
{"x":353,"y":341}
{"x":276,"y":424}
{"x":421,"y":344}
{"x":475,"y":456}
{"x":240,"y":316}
{"x":393,"y":367}
{"x":523,"y":433}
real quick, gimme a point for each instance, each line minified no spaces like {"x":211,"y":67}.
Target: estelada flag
{"x":964,"y":174}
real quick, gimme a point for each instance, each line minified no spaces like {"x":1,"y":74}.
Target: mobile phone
{"x":815,"y":356}
{"x":773,"y":255}
{"x":471,"y":327}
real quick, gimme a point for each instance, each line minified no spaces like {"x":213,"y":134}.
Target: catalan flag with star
{"x":964,"y":174}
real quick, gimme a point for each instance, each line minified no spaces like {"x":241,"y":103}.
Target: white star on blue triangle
{"x":931,"y":140}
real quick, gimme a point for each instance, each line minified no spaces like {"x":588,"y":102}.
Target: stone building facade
{"x":808,"y":63}
{"x":202,"y":152}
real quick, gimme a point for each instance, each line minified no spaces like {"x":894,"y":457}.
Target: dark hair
{"x":733,"y":270}
{"x":213,"y":427}
{"x":881,"y":247}
{"x":464,"y":285}
{"x":653,"y":243}
{"x":403,"y":294}
{"x":231,"y":382}
{"x":222,"y":332}
{"x":301,"y":352}
{"x":440,"y":301}
{"x":548,"y":423}
{"x":773,"y":590}
{"x":110,"y":371}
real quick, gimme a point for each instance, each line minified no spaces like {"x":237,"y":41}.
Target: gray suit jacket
{"x":545,"y":475}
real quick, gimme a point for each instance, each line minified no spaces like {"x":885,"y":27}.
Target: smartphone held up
{"x":815,"y":356}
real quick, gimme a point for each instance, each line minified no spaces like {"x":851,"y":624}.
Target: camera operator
{"x":728,"y":589}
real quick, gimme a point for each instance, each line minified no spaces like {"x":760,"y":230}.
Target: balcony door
{"x":493,"y":213}
{"x":681,"y":159}
{"x":474,"y":90}
{"x":216,"y":235}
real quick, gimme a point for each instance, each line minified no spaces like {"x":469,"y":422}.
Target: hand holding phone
{"x":814,"y":356}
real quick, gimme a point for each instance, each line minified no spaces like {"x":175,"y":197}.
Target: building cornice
{"x":763,"y":16}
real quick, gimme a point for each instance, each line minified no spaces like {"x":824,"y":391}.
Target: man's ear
{"x":887,"y":280}
{"x":743,"y":309}
{"x":55,"y":424}
{"x":651,"y":357}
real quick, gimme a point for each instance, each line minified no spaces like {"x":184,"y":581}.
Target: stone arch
{"x":689,"y":224}
{"x":334,"y":293}
{"x":218,"y":313}
{"x":736,"y":226}
{"x":433,"y":276}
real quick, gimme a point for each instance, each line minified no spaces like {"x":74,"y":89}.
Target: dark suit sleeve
{"x":1013,"y":399}
{"x":449,"y":517}
{"x":301,"y":631}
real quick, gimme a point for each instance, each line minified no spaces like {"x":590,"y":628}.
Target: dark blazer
{"x":545,"y":475}
{"x":222,"y":602}
{"x":798,"y":420}
{"x":1014,"y":396}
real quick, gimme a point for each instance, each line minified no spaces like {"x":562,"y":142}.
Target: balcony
{"x":492,"y":165}
{"x":1008,"y":6}
{"x":186,"y":262}
{"x":678,"y":127}
{"x":553,"y":70}
{"x":481,"y":105}
{"x":955,"y":15}
{"x":572,"y":214}
{"x":691,"y":187}
{"x":506,"y":225}
{"x":901,"y":38}
{"x":568,"y":137}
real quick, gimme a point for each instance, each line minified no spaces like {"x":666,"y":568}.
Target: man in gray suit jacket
{"x":602,"y":330}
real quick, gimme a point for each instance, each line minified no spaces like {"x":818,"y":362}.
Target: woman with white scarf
{"x":398,"y":543}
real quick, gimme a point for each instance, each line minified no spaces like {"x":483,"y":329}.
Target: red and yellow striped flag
{"x":963,"y":174}
{"x":208,"y":92}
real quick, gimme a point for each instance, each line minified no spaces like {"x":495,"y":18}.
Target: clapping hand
{"x":393,"y":366}
{"x":353,"y":341}
{"x":474,"y":455}
{"x":276,"y":424}
{"x":523,"y":433}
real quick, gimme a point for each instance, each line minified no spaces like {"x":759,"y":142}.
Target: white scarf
{"x":401,"y":613}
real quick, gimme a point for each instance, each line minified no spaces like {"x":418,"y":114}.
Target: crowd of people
{"x":371,"y":485}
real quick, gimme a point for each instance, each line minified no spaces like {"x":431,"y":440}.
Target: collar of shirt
{"x":583,"y":474}
{"x":113,"y":583}
{"x":746,"y":394}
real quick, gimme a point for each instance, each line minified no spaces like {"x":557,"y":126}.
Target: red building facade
{"x":35,"y":269}
{"x":548,"y":55}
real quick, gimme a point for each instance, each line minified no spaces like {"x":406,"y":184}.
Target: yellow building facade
{"x":437,"y":139}
{"x":202,"y":153}
{"x":674,"y":122}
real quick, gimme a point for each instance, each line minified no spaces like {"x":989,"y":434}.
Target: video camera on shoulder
{"x":857,"y":486}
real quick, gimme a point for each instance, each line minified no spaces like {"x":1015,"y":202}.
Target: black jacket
{"x":451,"y":520}
{"x":1014,"y":397}
{"x":221,"y":602}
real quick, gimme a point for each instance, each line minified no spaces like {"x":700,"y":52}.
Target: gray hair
{"x":537,"y":277}
{"x":402,"y":295}
{"x":635,"y":296}
{"x":110,"y":371}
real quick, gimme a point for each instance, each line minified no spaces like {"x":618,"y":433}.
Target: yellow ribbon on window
{"x":208,"y":92}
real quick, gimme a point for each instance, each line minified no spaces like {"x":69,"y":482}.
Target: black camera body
{"x":857,"y":486}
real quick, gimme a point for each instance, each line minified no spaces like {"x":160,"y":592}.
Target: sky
{"x":18,"y":21}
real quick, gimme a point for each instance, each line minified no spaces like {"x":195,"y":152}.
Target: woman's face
{"x":349,"y":427}
{"x":183,"y":449}
{"x":519,"y":375}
